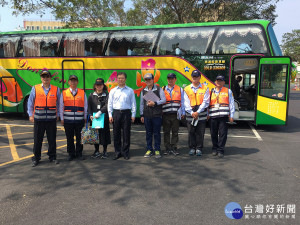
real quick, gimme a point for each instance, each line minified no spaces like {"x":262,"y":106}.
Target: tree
{"x":76,"y":13}
{"x":189,"y":11}
{"x":291,"y":45}
{"x":82,"y":13}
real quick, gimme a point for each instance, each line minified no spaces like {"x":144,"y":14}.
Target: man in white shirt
{"x":121,"y":111}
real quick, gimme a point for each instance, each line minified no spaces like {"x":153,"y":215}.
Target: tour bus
{"x":245,"y":52}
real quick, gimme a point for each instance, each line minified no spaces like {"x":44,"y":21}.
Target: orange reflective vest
{"x":73,"y":106}
{"x":173,"y":103}
{"x":45,"y":105}
{"x":196,"y":100}
{"x":219,"y":103}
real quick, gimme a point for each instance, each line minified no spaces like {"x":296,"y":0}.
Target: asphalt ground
{"x":261,"y":167}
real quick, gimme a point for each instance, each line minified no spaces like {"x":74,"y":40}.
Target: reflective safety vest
{"x":45,"y":105}
{"x":173,"y":103}
{"x":73,"y":106}
{"x":219,"y":103}
{"x":196,"y":100}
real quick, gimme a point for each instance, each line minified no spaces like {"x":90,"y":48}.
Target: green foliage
{"x":291,"y":45}
{"x":93,"y":13}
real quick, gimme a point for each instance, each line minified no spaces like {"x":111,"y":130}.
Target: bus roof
{"x":261,"y":22}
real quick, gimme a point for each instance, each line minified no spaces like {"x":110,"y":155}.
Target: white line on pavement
{"x":255,"y":132}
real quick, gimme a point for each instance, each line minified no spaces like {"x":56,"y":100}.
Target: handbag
{"x":89,"y":135}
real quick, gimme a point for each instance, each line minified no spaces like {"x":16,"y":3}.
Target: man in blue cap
{"x":43,"y":108}
{"x":221,"y":109}
{"x":73,"y":114}
{"x":196,"y":101}
{"x":173,"y":112}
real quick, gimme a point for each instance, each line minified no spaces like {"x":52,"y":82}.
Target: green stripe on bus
{"x":264,"y":118}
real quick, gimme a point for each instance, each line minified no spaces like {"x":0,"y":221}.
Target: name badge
{"x":98,"y":106}
{"x":217,"y":105}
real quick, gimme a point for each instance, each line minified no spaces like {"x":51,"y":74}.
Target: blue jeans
{"x":153,"y":126}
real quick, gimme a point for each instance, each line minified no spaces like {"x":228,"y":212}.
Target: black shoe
{"x":96,"y":155}
{"x":166,"y":152}
{"x":220,"y":155}
{"x":173,"y":152}
{"x":126,"y":157}
{"x":104,"y":155}
{"x":54,"y":160}
{"x":71,"y":157}
{"x":117,"y":157}
{"x":81,"y":157}
{"x":214,"y":154}
{"x":34,"y":163}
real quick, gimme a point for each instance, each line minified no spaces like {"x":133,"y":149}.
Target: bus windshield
{"x":274,"y":42}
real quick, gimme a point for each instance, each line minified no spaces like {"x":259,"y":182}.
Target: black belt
{"x":122,"y":110}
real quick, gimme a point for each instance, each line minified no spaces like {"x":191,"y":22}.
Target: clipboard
{"x":151,"y":96}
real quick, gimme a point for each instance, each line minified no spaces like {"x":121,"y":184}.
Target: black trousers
{"x":39,"y":130}
{"x":170,"y":123}
{"x":70,"y":130}
{"x":218,"y":131}
{"x":122,"y":126}
{"x":196,"y":134}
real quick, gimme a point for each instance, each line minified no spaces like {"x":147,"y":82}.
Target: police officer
{"x":43,"y":112}
{"x":196,"y":101}
{"x":173,"y":111}
{"x":221,"y":109}
{"x":73,"y":111}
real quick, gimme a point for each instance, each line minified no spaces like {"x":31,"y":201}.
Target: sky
{"x":287,"y":20}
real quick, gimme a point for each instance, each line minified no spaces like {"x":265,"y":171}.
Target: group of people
{"x":159,"y":106}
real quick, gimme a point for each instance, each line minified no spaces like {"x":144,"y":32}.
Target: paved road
{"x":260,"y":169}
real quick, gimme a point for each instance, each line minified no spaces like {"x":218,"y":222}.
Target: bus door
{"x":10,"y":94}
{"x":244,"y":76}
{"x":73,"y":67}
{"x":273,"y":90}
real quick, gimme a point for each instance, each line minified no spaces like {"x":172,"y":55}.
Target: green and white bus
{"x":242,"y":48}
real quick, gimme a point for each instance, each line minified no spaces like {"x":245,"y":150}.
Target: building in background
{"x":43,"y":25}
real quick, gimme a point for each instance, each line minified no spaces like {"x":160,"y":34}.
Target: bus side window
{"x":239,"y":39}
{"x":93,"y":47}
{"x":1,"y":50}
{"x":74,"y":45}
{"x":185,"y":41}
{"x":48,"y":49}
{"x":132,"y":43}
{"x":84,"y":43}
{"x":8,"y":46}
{"x":118,"y":48}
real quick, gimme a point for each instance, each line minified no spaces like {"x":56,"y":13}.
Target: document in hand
{"x":150,"y":96}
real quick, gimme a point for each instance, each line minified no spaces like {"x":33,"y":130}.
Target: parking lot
{"x":17,"y":140}
{"x":260,"y":167}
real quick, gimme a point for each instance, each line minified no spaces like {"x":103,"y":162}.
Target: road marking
{"x":26,"y":157}
{"x":17,"y":134}
{"x":255,"y":132}
{"x":19,"y":125}
{"x":12,"y":146}
{"x":44,"y":142}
